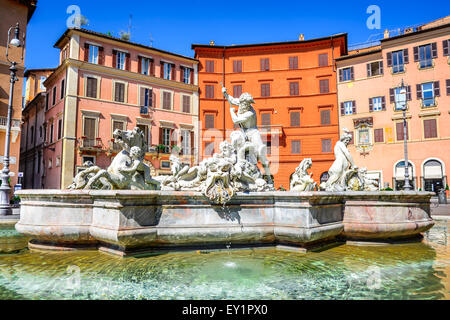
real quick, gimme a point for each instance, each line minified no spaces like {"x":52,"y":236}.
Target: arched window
{"x":433,"y":176}
{"x":399,"y":175}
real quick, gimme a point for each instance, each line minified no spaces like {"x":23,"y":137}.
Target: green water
{"x":403,"y":271}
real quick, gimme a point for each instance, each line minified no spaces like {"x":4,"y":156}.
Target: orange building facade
{"x":294,"y":88}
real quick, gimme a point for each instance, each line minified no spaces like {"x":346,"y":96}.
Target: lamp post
{"x":401,"y":101}
{"x":5,"y":189}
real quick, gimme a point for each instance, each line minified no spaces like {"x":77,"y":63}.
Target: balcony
{"x":90,"y":144}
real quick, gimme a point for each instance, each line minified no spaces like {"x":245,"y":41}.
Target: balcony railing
{"x":15,"y":123}
{"x":90,"y":144}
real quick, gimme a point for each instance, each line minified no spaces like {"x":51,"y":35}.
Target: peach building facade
{"x":368,"y":84}
{"x":294,"y":88}
{"x":105,"y":83}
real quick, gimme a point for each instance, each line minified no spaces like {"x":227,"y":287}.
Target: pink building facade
{"x":105,"y":83}
{"x":368,"y":85}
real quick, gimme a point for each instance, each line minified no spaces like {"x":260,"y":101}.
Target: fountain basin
{"x":124,"y":222}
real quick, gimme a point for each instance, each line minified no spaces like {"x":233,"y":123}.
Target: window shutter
{"x":434,"y":52}
{"x":114,"y":54}
{"x":383,"y":103}
{"x":262,"y":64}
{"x":448,"y":86}
{"x":342,"y":109}
{"x":408,"y":93}
{"x":352,"y":73}
{"x":370,"y":105}
{"x":389,"y":59}
{"x":153,"y":100}
{"x":117,"y":92}
{"x":162,"y":70}
{"x":399,"y":129}
{"x":369,"y":70}
{"x":161,"y":133}
{"x":354,"y":107}
{"x":295,"y":119}
{"x":381,"y":67}
{"x":405,"y":56}
{"x":142,"y":97}
{"x":152,"y":67}
{"x":173,"y":72}
{"x":127,"y":62}
{"x":341,"y":76}
{"x":192,"y":144}
{"x":86,"y":52}
{"x":445,"y":45}
{"x":139,"y":64}
{"x":416,"y":54}
{"x":437,"y":90}
{"x":191,"y":81}
{"x":419,"y":91}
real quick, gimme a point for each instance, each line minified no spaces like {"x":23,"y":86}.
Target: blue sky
{"x":175,"y":25}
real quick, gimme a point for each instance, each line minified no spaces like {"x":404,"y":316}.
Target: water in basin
{"x":403,"y":271}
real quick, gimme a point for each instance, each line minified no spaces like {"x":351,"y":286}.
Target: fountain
{"x":224,"y":200}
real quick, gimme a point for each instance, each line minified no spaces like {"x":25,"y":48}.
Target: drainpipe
{"x":34,"y":144}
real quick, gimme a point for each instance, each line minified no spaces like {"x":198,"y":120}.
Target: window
{"x":186,"y":138}
{"x":265,"y":64}
{"x":88,"y":158}
{"x":145,"y":66}
{"x":325,"y":117}
{"x":54,"y":96}
{"x":93,"y":54}
{"x":394,"y":96}
{"x":167,"y":100}
{"x":89,"y":133}
{"x":209,"y":121}
{"x":62,"y":88}
{"x":91,"y":87}
{"x":50,"y":163}
{"x":324,"y":86}
{"x":446,"y":47}
{"x":363,"y":137}
{"x":430,"y":128}
{"x":187,"y":104}
{"x":146,"y":98}
{"x":425,"y":55}
{"x":323,"y":60}
{"x":268,"y":142}
{"x":377,"y":104}
{"x":119,"y":92}
{"x":346,"y":74}
{"x":237,"y":91}
{"x":237,"y":66}
{"x":209,"y":148}
{"x":293,"y":63}
{"x":427,"y":92}
{"x":40,"y":132}
{"x":166,"y":133}
{"x":209,"y":91}
{"x":295,"y":147}
{"x":209,"y":66}
{"x":59,"y":129}
{"x":399,"y":129}
{"x":265,"y":119}
{"x":326,"y":145}
{"x":186,"y":75}
{"x":120,"y":60}
{"x":32,"y":134}
{"x":50,"y":138}
{"x":265,"y":89}
{"x":293,"y":88}
{"x":379,"y":135}
{"x":167,"y":68}
{"x":397,"y":60}
{"x":165,"y":164}
{"x":295,"y":119}
{"x":375,"y":68}
{"x":348,"y":107}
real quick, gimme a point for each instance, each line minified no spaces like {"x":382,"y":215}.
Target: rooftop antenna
{"x":151,"y":40}
{"x":129,"y":25}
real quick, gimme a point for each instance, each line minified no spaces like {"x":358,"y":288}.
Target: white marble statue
{"x":343,"y":163}
{"x":301,"y":179}
{"x":232,"y":170}
{"x":127,"y":170}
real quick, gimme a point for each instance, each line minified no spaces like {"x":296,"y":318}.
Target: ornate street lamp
{"x":5,"y":189}
{"x":401,"y":101}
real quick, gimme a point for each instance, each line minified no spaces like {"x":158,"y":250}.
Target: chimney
{"x":386,"y":33}
{"x":301,"y":37}
{"x":212,"y":43}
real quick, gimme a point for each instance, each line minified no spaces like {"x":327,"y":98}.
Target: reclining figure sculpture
{"x":127,"y":170}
